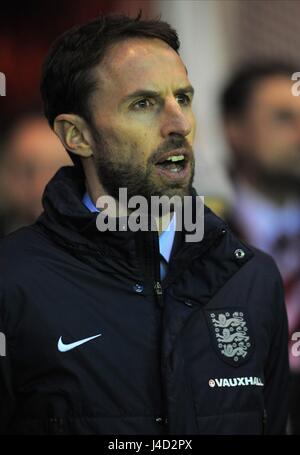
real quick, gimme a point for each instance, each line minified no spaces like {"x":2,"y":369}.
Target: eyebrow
{"x":154,"y":94}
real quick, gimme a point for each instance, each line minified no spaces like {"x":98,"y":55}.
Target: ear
{"x":74,"y":134}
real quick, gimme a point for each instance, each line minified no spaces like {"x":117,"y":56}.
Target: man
{"x":124,"y":332}
{"x":262,"y":124}
{"x":30,"y":156}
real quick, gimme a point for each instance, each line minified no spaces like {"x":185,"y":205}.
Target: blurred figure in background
{"x":262,"y":125}
{"x":30,"y":155}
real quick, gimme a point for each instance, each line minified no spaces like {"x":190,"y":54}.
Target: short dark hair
{"x":236,"y":95}
{"x":67,"y":80}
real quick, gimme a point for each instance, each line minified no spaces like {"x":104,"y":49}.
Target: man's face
{"x":142,"y":115}
{"x":33,"y":155}
{"x":269,"y":133}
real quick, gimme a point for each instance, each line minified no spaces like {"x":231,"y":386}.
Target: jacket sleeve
{"x":7,"y":401}
{"x":277,"y":366}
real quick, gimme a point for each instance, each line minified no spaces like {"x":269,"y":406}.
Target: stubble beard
{"x":115,"y":173}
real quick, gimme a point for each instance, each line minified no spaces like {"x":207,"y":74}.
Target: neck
{"x":93,"y":185}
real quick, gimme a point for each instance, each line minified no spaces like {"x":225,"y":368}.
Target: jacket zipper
{"x":159,"y":297}
{"x":264,"y":422}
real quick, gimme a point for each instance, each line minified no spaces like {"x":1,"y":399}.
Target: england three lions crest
{"x":231,"y":335}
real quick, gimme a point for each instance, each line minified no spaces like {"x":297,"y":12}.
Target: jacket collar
{"x":73,"y":226}
{"x":69,"y":220}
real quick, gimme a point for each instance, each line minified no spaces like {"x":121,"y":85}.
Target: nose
{"x":175,"y":119}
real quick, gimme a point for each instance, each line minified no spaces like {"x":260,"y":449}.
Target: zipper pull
{"x":158,"y":288}
{"x":159,"y":293}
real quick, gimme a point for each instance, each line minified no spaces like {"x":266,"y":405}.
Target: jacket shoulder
{"x":20,"y":249}
{"x":264,"y":262}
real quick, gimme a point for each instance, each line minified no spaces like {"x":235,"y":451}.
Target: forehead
{"x":140,"y":63}
{"x":275,"y":91}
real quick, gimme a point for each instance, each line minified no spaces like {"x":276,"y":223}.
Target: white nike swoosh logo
{"x":62,"y":347}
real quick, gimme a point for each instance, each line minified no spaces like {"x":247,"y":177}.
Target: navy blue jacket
{"x":202,"y":352}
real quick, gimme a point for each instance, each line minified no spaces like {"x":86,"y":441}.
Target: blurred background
{"x":217,"y":37}
{"x":240,"y":55}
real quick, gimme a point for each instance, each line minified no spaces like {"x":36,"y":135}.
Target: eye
{"x":142,"y":104}
{"x":283,"y":117}
{"x":184,"y":99}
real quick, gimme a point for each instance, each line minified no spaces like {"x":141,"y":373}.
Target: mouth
{"x":175,"y":164}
